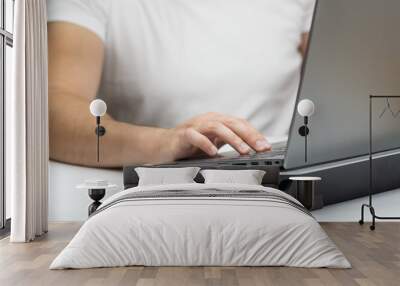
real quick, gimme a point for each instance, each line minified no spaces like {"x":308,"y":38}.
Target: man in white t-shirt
{"x":179,"y":76}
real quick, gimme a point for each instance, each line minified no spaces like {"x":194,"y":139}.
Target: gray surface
{"x":345,"y":182}
{"x":354,"y":52}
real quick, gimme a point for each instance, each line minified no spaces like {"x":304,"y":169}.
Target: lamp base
{"x":96,"y":195}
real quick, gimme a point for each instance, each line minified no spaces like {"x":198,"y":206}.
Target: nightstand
{"x":96,"y":191}
{"x":306,"y":192}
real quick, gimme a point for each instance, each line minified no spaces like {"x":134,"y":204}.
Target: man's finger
{"x":247,"y":133}
{"x":223,"y":133}
{"x":200,"y":141}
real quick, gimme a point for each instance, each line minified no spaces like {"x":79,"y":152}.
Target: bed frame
{"x":271,"y":177}
{"x":341,"y":181}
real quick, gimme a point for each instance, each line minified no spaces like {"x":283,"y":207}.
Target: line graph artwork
{"x":388,"y":108}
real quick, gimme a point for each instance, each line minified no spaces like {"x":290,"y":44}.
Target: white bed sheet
{"x":219,"y":232}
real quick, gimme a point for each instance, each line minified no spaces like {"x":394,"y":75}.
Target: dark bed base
{"x":351,"y":181}
{"x":339,"y":183}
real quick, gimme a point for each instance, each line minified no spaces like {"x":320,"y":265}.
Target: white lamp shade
{"x":306,"y":107}
{"x":98,"y":107}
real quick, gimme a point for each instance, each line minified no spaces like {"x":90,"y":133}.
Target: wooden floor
{"x":375,"y":257}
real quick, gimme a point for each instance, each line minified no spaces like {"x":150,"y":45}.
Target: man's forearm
{"x":73,"y":138}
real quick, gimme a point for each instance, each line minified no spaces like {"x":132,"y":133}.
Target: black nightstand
{"x":306,"y":192}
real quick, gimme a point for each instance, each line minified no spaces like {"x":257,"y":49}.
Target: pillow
{"x":166,"y":176}
{"x":248,"y":177}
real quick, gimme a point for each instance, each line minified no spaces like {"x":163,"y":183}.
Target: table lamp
{"x":305,"y":108}
{"x":98,"y":108}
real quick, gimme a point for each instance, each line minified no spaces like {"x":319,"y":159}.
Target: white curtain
{"x":27,"y":123}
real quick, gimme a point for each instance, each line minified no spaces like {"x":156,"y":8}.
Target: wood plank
{"x":375,"y":257}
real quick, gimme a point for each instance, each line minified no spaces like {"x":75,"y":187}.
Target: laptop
{"x":354,"y":51}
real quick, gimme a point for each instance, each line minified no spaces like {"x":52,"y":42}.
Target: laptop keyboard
{"x":266,"y":154}
{"x":276,"y":153}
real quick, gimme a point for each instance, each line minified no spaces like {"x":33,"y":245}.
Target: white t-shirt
{"x":169,"y":60}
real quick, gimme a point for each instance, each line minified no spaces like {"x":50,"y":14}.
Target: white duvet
{"x":200,"y":231}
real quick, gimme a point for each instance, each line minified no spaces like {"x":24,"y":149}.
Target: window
{"x":6,"y":43}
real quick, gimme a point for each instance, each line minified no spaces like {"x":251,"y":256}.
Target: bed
{"x":197,"y":224}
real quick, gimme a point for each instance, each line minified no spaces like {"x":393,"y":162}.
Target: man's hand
{"x":207,"y":132}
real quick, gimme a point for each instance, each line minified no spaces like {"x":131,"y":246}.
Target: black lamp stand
{"x":370,"y":205}
{"x":97,"y":194}
{"x":304,"y":131}
{"x":100,"y":131}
